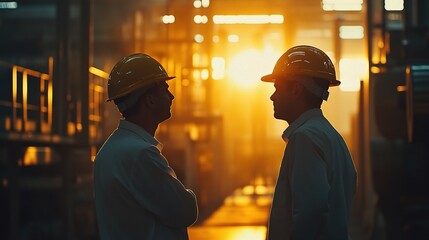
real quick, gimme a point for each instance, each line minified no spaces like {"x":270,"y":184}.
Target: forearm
{"x":161,"y":193}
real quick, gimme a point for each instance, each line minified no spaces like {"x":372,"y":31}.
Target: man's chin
{"x":169,"y":116}
{"x":166,"y":117}
{"x":277,"y":116}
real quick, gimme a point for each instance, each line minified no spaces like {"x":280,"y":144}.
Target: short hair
{"x":128,"y":111}
{"x":313,"y":100}
{"x":153,"y":89}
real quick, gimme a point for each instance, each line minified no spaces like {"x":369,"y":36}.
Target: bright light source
{"x":204,"y":74}
{"x":197,"y":4}
{"x":375,"y":70}
{"x":247,"y":67}
{"x":99,"y":72}
{"x":351,"y":32}
{"x":218,"y":68}
{"x":233,"y":38}
{"x":394,"y":5}
{"x":168,"y":19}
{"x":248,"y":19}
{"x":197,"y":19}
{"x":205,"y":3}
{"x":248,"y":190}
{"x":193,"y":131}
{"x":216,"y":38}
{"x":196,"y":74}
{"x":200,"y":19}
{"x":200,"y":60}
{"x":352,"y":70}
{"x":198,"y":38}
{"x":342,"y":5}
{"x":261,"y":190}
{"x":248,"y":233}
{"x":8,"y":5}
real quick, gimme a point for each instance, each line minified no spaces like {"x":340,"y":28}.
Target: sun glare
{"x":247,"y":67}
{"x":254,"y":233}
{"x":352,"y":71}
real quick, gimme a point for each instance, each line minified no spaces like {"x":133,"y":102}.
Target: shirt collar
{"x":141,"y":132}
{"x":314,"y":112}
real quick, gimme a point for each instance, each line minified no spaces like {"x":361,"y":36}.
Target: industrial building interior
{"x":222,"y":141}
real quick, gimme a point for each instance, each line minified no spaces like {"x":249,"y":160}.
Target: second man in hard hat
{"x":137,"y":193}
{"x":317,"y":179}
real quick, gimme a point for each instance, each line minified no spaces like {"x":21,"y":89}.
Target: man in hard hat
{"x":137,"y":194}
{"x":317,"y":179}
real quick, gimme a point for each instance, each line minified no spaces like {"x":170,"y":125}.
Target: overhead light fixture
{"x":351,"y":32}
{"x":394,"y":5}
{"x":8,"y":5}
{"x":167,"y":19}
{"x":197,"y":4}
{"x":218,"y":68}
{"x":198,"y":38}
{"x":200,"y":19}
{"x":342,"y":5}
{"x":233,"y":38}
{"x":248,"y":19}
{"x":205,"y":3}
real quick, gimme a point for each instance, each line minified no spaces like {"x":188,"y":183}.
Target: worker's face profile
{"x":282,"y":97}
{"x":164,"y":99}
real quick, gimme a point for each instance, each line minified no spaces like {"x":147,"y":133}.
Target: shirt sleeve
{"x":309,"y":187}
{"x":156,"y":187}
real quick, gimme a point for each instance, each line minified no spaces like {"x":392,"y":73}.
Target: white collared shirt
{"x":316,"y":183}
{"x":137,"y":194}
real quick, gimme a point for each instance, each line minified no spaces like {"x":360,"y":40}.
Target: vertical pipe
{"x":24,"y":100}
{"x":14,"y":191}
{"x":61,"y":71}
{"x":50,"y":92}
{"x":337,"y":45}
{"x":67,"y":194}
{"x":369,"y":196}
{"x":42,"y":100}
{"x":14,"y":96}
{"x":85,"y":63}
{"x":210,"y":83}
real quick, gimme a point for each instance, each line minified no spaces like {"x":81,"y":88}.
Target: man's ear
{"x":298,"y":89}
{"x":149,"y":100}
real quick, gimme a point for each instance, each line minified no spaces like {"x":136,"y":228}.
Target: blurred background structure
{"x":223,"y":141}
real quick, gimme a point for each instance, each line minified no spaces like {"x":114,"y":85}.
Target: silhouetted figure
{"x":317,"y":179}
{"x":137,"y":194}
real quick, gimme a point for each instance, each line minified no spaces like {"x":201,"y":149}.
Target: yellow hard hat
{"x":306,"y":61}
{"x":133,"y":73}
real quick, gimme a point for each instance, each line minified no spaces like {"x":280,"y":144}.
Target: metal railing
{"x":26,"y":102}
{"x":97,"y":100}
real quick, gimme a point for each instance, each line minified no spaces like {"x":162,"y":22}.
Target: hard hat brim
{"x":128,"y":92}
{"x":268,"y":78}
{"x":272,"y":78}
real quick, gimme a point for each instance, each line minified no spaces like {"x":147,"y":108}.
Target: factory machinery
{"x":394,"y":135}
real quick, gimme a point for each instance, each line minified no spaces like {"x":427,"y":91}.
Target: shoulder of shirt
{"x":130,"y":141}
{"x":138,"y":132}
{"x":311,"y":128}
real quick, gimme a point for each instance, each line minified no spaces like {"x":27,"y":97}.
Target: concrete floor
{"x":244,"y":215}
